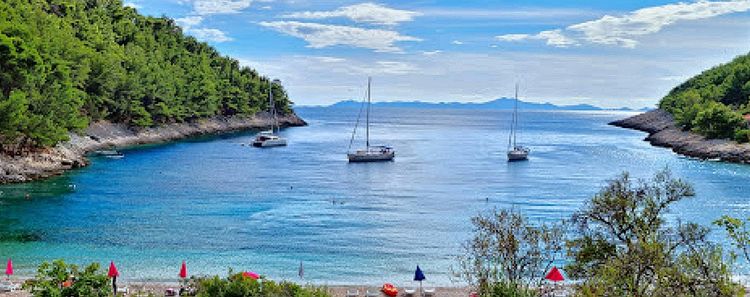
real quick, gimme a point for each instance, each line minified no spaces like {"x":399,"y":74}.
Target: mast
{"x":369,"y":82}
{"x":515,"y":117}
{"x":270,"y":104}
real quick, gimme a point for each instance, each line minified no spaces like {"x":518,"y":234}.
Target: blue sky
{"x":607,"y":53}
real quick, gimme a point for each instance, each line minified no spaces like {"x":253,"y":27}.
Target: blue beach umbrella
{"x":419,"y":276}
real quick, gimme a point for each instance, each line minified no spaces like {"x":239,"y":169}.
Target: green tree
{"x":92,"y":281}
{"x":624,"y":247}
{"x":507,"y":254}
{"x":71,"y":62}
{"x":716,"y":120}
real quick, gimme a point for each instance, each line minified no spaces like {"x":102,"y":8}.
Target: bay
{"x":218,"y":203}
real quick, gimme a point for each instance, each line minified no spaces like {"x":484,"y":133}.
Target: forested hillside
{"x":65,"y":63}
{"x":713,"y":102}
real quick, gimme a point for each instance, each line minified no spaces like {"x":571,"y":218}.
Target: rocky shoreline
{"x":664,"y":132}
{"x":105,"y":135}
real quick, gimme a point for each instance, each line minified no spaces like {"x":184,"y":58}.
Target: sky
{"x":615,"y":53}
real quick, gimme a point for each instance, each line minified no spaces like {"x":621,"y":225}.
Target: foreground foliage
{"x":508,"y":255}
{"x":64,"y":63}
{"x":619,"y":244}
{"x":237,"y":285}
{"x":625,"y":247}
{"x":713,"y":102}
{"x":51,"y":280}
{"x":92,"y":281}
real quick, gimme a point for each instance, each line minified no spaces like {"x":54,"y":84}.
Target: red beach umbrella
{"x":183,"y":270}
{"x":9,"y":268}
{"x":554,"y":275}
{"x":251,"y":274}
{"x":113,"y":270}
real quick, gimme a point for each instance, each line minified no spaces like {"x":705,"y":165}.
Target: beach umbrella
{"x":554,"y":275}
{"x":419,"y":276}
{"x":251,"y":274}
{"x":183,"y":270}
{"x":113,"y":273}
{"x":9,"y":268}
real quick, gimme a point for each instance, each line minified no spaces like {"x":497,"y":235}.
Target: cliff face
{"x":664,"y":132}
{"x":106,"y":135}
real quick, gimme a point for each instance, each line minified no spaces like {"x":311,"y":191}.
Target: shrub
{"x":717,"y":120}
{"x":742,"y":135}
{"x":237,"y":285}
{"x":506,"y":289}
{"x":624,"y":247}
{"x":508,"y":254}
{"x":90,"y":282}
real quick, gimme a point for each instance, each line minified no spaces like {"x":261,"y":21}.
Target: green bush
{"x":507,"y":289}
{"x":237,"y":285}
{"x":742,"y":135}
{"x":89,"y":282}
{"x":624,"y":245}
{"x":717,"y":120}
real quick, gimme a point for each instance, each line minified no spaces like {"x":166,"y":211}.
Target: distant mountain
{"x":500,"y":104}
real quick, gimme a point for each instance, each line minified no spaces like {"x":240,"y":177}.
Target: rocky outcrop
{"x":48,"y":162}
{"x":664,"y":132}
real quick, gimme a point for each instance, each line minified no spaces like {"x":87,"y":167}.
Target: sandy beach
{"x":144,"y":288}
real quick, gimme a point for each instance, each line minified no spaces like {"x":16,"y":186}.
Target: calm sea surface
{"x":219,"y":204}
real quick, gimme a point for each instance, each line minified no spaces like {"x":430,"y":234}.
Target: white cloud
{"x":372,"y":13}
{"x":556,"y":38}
{"x":321,"y":35}
{"x":553,"y":38}
{"x":457,"y":42}
{"x":431,"y":53}
{"x":513,"y":37}
{"x":189,"y":24}
{"x":212,"y":35}
{"x":509,"y":13}
{"x":395,"y":67}
{"x":611,"y":30}
{"x":623,"y":30}
{"x":131,"y":4}
{"x":208,"y":7}
{"x":189,"y":21}
{"x":329,"y":59}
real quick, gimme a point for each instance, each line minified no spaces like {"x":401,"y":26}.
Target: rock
{"x":664,"y":132}
{"x":106,"y":135}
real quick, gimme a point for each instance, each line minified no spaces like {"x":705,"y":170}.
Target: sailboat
{"x":269,"y":138}
{"x":369,"y":153}
{"x":515,"y":151}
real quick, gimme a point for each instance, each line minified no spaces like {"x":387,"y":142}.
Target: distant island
{"x":706,"y":117}
{"x":497,"y":104}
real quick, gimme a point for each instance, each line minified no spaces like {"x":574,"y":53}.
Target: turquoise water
{"x":219,"y":204}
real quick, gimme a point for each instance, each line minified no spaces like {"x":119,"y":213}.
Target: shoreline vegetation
{"x":706,"y":117}
{"x":664,"y":131}
{"x":46,"y":162}
{"x":102,"y":70}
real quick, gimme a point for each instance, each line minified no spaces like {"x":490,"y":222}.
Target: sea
{"x":220,"y":205}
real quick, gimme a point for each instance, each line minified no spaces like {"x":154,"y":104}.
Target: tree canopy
{"x":713,"y":102}
{"x":64,"y":63}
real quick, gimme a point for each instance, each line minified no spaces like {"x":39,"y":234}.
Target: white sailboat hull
{"x":270,"y":143}
{"x":371,"y":156}
{"x":518,"y":155}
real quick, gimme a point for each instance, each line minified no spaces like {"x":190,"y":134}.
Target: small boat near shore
{"x":370,"y":153}
{"x":270,"y":138}
{"x":112,"y":154}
